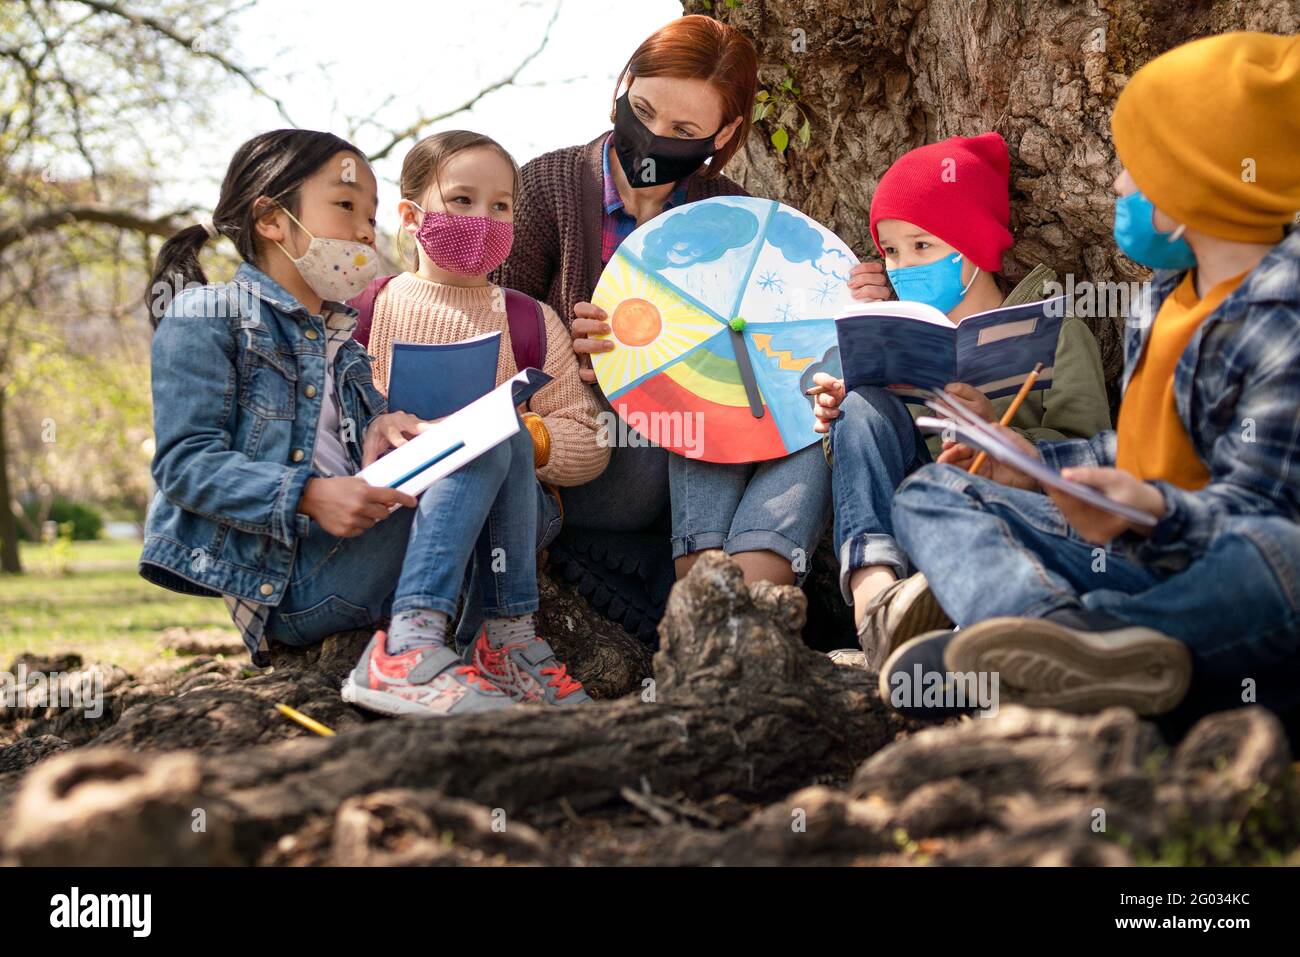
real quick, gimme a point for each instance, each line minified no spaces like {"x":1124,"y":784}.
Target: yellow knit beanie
{"x":1210,"y":132}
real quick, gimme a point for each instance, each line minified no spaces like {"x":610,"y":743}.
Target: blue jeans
{"x":627,"y":497}
{"x":990,"y":550}
{"x":779,"y":506}
{"x":492,"y":512}
{"x":874,"y":446}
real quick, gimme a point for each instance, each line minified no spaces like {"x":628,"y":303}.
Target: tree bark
{"x":880,"y":77}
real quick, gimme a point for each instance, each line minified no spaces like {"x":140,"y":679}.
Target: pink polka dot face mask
{"x":468,"y":245}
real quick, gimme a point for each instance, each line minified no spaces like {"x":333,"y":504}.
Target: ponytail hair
{"x":271,"y":166}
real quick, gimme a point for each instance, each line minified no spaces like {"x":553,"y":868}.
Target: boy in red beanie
{"x":1074,"y":607}
{"x":939,"y":216}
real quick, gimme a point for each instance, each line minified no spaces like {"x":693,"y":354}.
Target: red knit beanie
{"x":956,"y":189}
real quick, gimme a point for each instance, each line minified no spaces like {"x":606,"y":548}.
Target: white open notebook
{"x":457,"y":439}
{"x":978,"y":434}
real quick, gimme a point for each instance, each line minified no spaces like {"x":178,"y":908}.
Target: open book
{"x":964,"y":426}
{"x":913,"y":344}
{"x":433,"y":380}
{"x":458,"y":439}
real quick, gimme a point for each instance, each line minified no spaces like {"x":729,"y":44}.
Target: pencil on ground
{"x":311,"y":724}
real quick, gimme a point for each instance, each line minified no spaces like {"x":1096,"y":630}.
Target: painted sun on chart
{"x":652,"y":325}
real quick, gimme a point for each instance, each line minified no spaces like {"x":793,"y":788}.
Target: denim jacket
{"x":238,"y":382}
{"x":1237,"y":390}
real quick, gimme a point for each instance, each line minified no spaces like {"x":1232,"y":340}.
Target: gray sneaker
{"x":431,"y":682}
{"x":527,"y":671}
{"x":904,"y":610}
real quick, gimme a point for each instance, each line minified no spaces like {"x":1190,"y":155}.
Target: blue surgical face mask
{"x":936,"y":284}
{"x":1137,"y":236}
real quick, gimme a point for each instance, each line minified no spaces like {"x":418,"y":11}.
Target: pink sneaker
{"x":432,"y":682}
{"x":527,"y":671}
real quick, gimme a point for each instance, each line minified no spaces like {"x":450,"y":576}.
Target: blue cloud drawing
{"x":797,"y":240}
{"x":701,"y":234}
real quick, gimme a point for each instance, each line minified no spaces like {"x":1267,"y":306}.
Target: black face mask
{"x":650,"y":160}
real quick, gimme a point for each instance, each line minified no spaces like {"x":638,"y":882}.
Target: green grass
{"x":99,"y":607}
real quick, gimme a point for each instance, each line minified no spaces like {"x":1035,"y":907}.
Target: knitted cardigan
{"x":558,"y":224}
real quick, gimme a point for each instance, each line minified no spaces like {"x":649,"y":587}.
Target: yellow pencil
{"x":1011,"y":411}
{"x":309,"y":723}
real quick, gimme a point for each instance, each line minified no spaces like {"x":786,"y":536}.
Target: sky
{"x":396,"y":60}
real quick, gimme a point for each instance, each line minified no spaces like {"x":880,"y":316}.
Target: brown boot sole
{"x":1046,"y":665}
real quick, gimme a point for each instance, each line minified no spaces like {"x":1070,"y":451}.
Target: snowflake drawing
{"x":785,"y":313}
{"x":770,"y":281}
{"x":826,"y":291}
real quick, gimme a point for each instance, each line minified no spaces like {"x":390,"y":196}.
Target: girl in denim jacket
{"x":264,"y":410}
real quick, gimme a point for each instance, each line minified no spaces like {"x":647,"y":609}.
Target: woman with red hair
{"x":681,"y":110}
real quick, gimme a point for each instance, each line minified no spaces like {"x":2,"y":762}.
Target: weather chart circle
{"x":722,"y":311}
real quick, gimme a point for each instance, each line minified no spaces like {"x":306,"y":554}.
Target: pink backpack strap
{"x":364,"y":303}
{"x":527,"y":329}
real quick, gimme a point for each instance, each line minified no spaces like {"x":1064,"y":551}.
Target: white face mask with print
{"x":335,"y":269}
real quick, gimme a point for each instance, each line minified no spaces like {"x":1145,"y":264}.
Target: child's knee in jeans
{"x":930,"y":478}
{"x":868,"y":407}
{"x":505,"y":456}
{"x":520,"y":447}
{"x":1274,"y":543}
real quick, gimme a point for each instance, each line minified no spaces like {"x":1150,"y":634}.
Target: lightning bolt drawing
{"x":784,"y":359}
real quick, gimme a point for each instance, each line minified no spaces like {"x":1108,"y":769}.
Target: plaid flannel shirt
{"x":1237,"y":391}
{"x":617,"y":223}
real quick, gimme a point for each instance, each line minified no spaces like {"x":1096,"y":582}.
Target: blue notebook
{"x":913,"y":344}
{"x":431,"y":381}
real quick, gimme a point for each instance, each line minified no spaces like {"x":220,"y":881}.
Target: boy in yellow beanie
{"x":1071,"y":606}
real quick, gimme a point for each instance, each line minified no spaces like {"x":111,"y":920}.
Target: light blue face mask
{"x":1137,"y":236}
{"x":936,"y":284}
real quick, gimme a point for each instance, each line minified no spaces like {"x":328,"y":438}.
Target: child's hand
{"x":346,"y":506}
{"x":973,"y":399}
{"x":386,"y":432}
{"x":963,"y":457}
{"x":867,"y":282}
{"x":1094,"y":524}
{"x":588,"y":321}
{"x":827,"y":405}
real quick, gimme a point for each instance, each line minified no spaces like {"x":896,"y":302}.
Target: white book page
{"x":459,"y":342}
{"x":895,"y":308}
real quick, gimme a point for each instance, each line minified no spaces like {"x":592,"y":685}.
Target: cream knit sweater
{"x":413,"y":309}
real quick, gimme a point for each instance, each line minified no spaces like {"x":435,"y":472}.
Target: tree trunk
{"x":879,"y":77}
{"x":10,"y":563}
